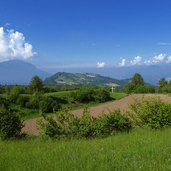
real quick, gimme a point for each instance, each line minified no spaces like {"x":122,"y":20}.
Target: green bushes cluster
{"x":65,"y":124}
{"x":88,"y":95}
{"x":152,"y":112}
{"x":10,"y":123}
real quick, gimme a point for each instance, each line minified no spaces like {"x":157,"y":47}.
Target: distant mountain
{"x":150,"y":73}
{"x":19,"y":72}
{"x":63,"y":78}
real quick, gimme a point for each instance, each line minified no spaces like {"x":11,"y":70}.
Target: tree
{"x":137,"y":80}
{"x":129,"y":88}
{"x":136,"y":85}
{"x":36,"y":84}
{"x":162,"y":83}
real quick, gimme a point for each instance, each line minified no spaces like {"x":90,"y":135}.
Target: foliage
{"x":10,"y":124}
{"x":65,"y":124}
{"x":144,"y":89}
{"x":14,"y":93}
{"x":152,"y":112}
{"x":137,"y":80}
{"x":34,"y":101}
{"x":36,"y":84}
{"x":137,"y":85}
{"x":164,"y":86}
{"x":22,"y":100}
{"x":90,"y":95}
{"x":48,"y":105}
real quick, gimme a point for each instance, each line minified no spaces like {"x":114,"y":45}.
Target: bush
{"x":14,"y":93}
{"x":65,"y":124}
{"x":48,"y":105}
{"x":10,"y":124}
{"x":22,"y":100}
{"x":153,"y":112}
{"x":144,"y":89}
{"x":90,"y":95}
{"x":34,"y":101}
{"x":4,"y":103}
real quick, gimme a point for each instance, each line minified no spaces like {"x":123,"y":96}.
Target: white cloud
{"x":159,"y":58}
{"x":122,"y":63}
{"x":136,"y":61}
{"x":100,"y":64}
{"x":14,"y":46}
{"x":168,"y":59}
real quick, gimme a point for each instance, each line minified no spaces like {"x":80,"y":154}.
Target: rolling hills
{"x":63,"y":78}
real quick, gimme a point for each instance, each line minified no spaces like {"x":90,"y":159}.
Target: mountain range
{"x":21,"y":72}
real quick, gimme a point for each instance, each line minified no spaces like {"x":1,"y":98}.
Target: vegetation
{"x":141,"y":141}
{"x":164,"y":86}
{"x":10,"y":123}
{"x":36,"y":84}
{"x":152,"y":112}
{"x":141,"y":149}
{"x":137,"y":85}
{"x":65,"y":124}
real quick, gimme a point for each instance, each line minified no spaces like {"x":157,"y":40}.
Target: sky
{"x":59,"y":34}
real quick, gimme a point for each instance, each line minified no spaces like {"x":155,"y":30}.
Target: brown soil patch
{"x":122,"y":104}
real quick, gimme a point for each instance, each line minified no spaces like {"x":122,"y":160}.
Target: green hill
{"x":63,"y":78}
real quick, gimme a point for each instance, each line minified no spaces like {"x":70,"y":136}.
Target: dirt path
{"x":123,"y":104}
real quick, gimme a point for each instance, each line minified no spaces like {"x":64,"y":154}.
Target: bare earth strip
{"x":122,"y":104}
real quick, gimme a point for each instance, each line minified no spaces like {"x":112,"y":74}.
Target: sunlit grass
{"x":141,"y":149}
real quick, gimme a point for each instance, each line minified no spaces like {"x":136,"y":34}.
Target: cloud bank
{"x":138,"y":60}
{"x":14,"y":46}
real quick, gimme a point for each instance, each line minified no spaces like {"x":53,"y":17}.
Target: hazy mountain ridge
{"x":19,"y":72}
{"x":63,"y":78}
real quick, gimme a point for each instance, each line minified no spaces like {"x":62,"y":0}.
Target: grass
{"x":118,"y":95}
{"x":141,"y":149}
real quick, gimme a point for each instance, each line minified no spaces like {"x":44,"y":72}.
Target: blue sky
{"x":82,"y":33}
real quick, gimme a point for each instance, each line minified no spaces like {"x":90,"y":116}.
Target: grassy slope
{"x":141,"y":149}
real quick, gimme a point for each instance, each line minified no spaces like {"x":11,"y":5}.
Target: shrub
{"x":14,"y":93}
{"x":34,"y":101}
{"x":144,"y":89}
{"x":115,"y":121}
{"x":22,"y":100}
{"x":153,"y":112}
{"x":4,"y":103}
{"x":10,"y":124}
{"x":65,"y":124}
{"x":48,"y":105}
{"x":90,"y":95}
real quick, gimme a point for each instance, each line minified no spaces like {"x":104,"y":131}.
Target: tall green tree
{"x":137,"y":80}
{"x":162,"y":83}
{"x":36,"y":84}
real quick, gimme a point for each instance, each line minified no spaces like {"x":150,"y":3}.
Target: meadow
{"x":142,"y":149}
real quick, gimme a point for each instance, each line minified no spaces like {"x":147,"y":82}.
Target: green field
{"x":141,"y":149}
{"x":117,"y":96}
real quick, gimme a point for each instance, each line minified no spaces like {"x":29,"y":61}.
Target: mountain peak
{"x":19,"y":72}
